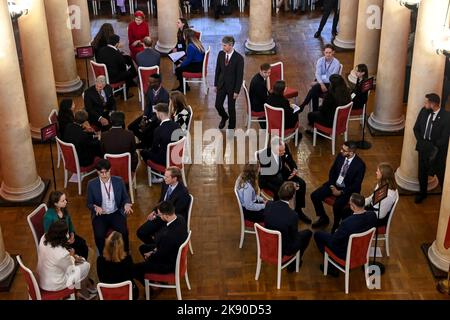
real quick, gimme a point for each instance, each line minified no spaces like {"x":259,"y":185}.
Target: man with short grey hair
{"x":149,"y":57}
{"x":99,"y":102}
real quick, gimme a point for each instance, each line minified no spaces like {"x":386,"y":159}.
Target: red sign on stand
{"x":85,"y":52}
{"x":49,"y":132}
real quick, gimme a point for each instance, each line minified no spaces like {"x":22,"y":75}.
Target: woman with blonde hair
{"x":179,"y":110}
{"x":248,"y":191}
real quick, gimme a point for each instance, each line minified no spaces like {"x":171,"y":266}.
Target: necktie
{"x":227,"y":59}
{"x":168,"y":193}
{"x":429,"y":127}
{"x":344,"y":168}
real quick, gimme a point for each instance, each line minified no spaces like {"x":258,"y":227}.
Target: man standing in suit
{"x":328,"y":6}
{"x":345,"y":177}
{"x":228,"y":81}
{"x":258,"y":88}
{"x":108,"y":200}
{"x":118,"y":140}
{"x":174,"y":191}
{"x":149,"y":57}
{"x":278,"y":166}
{"x":360,"y":221}
{"x":432,"y":131}
{"x":99,"y":102}
{"x":279,"y":216}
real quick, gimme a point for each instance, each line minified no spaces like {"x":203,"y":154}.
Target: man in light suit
{"x":99,"y":102}
{"x":109,"y":203}
{"x":228,"y":81}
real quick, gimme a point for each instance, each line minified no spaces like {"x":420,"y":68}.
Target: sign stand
{"x":378,"y":195}
{"x":47,"y":134}
{"x":85,"y":53}
{"x":366,"y":86}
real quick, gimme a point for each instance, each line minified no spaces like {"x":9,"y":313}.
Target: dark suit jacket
{"x":230,"y":77}
{"x":280,"y":217}
{"x":179,"y":198}
{"x":163,"y":96}
{"x":93,"y":102}
{"x":148,"y":58}
{"x":94,"y":194}
{"x":354,"y":177}
{"x":356,"y":223}
{"x":86,"y":145}
{"x":329,"y":106}
{"x":118,"y":140}
{"x":115,"y":63}
{"x":161,"y":138}
{"x":290,"y":118}
{"x":258,"y":93}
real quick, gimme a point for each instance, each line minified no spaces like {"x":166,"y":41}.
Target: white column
{"x":6,"y":262}
{"x":348,"y":13}
{"x":81,"y":25}
{"x":168,"y":15}
{"x":260,"y":26}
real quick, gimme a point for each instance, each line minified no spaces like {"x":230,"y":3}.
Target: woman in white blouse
{"x":248,"y":191}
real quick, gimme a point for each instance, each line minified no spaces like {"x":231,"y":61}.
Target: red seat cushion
{"x":324,"y":129}
{"x":250,"y":224}
{"x":258,"y":114}
{"x":382,"y":230}
{"x":286,"y":258}
{"x":267,"y":192}
{"x":156,"y":277}
{"x":192,"y":75}
{"x":290,"y":93}
{"x":330,"y":200}
{"x":156,"y":166}
{"x":56,"y":295}
{"x":91,"y":166}
{"x":117,"y":84}
{"x":334,"y":257}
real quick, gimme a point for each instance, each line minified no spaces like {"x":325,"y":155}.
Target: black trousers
{"x":300,"y":242}
{"x":314,"y":94}
{"x":424,"y":169}
{"x":222,"y":93}
{"x":275,"y":184}
{"x":316,"y":117}
{"x":254,"y":216}
{"x":102,"y":223}
{"x":145,"y":135}
{"x":192,"y":67}
{"x":147,"y":231}
{"x":329,"y":6}
{"x":80,"y":246}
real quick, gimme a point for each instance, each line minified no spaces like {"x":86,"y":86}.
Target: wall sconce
{"x":410,"y":4}
{"x":442,"y":43}
{"x":15,"y":10}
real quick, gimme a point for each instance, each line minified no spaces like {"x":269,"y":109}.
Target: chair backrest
{"x":205,"y":62}
{"x":120,"y":165}
{"x":269,"y":244}
{"x":198,"y":34}
{"x":99,"y":69}
{"x":181,"y":265}
{"x":175,"y":153}
{"x":358,"y":248}
{"x":191,"y":204}
{"x":341,"y":117}
{"x":247,"y":98}
{"x":36,"y":222}
{"x":69,"y":155}
{"x":275,"y":120}
{"x":115,"y":291}
{"x":276,"y":73}
{"x":53,"y":116}
{"x":367,"y":84}
{"x":32,"y":285}
{"x":144,"y":74}
{"x":391,"y":213}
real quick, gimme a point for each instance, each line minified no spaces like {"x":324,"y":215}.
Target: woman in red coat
{"x":137,"y":31}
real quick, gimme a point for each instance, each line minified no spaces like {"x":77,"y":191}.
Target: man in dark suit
{"x":328,"y":6}
{"x":108,"y":200}
{"x":345,"y":177}
{"x":432,"y":131}
{"x":278,"y":166}
{"x":228,"y":81}
{"x":360,"y":221}
{"x":174,"y":191}
{"x":86,"y":145}
{"x":279,"y":216}
{"x":149,"y":57}
{"x":118,"y":140}
{"x":99,"y":102}
{"x":258,"y":88}
{"x":161,"y":257}
{"x":144,"y":126}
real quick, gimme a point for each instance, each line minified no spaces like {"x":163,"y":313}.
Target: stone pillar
{"x":427,"y":73}
{"x":348,"y":13}
{"x":37,"y":66}
{"x":168,"y":14}
{"x":6,"y":262}
{"x":20,"y":179}
{"x":388,"y":113}
{"x":368,"y":33}
{"x":437,"y":254}
{"x":260,"y":28}
{"x":81,"y":25}
{"x":61,"y":45}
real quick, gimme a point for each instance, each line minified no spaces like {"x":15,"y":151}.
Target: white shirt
{"x":434,"y":114}
{"x":108,"y":199}
{"x":325,"y":69}
{"x":168,"y":223}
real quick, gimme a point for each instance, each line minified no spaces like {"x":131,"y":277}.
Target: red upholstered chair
{"x":99,"y":69}
{"x":191,"y":204}
{"x":275,"y":125}
{"x":277,"y":73}
{"x":360,"y":114}
{"x":198,"y":35}
{"x":357,"y":255}
{"x":269,"y":245}
{"x":265,"y":193}
{"x":340,"y":126}
{"x":36,"y":222}
{"x":72,"y":165}
{"x":198,"y":77}
{"x":383,"y":232}
{"x":174,"y":157}
{"x":121,"y":167}
{"x":115,"y":291}
{"x":144,"y":73}
{"x":36,"y":293}
{"x":53,"y":118}
{"x":172,"y":279}
{"x":251,"y":115}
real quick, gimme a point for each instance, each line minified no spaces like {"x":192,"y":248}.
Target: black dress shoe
{"x":419,"y":198}
{"x":222,"y":123}
{"x":317,"y":34}
{"x":332,"y":271}
{"x":323,"y":221}
{"x":303,"y":217}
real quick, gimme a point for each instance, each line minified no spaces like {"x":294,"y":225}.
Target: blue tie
{"x":168,"y":193}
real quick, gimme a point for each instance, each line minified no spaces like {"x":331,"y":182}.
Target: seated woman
{"x":360,"y":97}
{"x":137,"y":31}
{"x":276,"y":99}
{"x":248,"y":191}
{"x":66,"y":116}
{"x":179,"y":111}
{"x":115,"y":265}
{"x":101,"y":38}
{"x":182,"y":24}
{"x":338,"y":95}
{"x":57,"y":268}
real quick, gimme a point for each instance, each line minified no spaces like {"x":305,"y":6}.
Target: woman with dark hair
{"x":137,"y":31}
{"x":182,"y":24}
{"x":276,"y":99}
{"x":65,"y":115}
{"x":248,"y":191}
{"x":360,"y":98}
{"x":102,"y":36}
{"x":179,"y":110}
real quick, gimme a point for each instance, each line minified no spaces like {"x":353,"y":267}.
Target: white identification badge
{"x":180,"y":46}
{"x":340,"y":181}
{"x":324,"y":77}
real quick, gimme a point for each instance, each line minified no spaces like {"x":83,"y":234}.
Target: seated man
{"x":118,"y":140}
{"x":360,"y":221}
{"x":279,"y":216}
{"x":108,"y":200}
{"x":87,"y":146}
{"x":258,"y":92}
{"x":174,"y":191}
{"x":162,"y":257}
{"x":345,"y":177}
{"x":99,"y":102}
{"x":149,"y":57}
{"x":143,"y":127}
{"x":277,"y":166}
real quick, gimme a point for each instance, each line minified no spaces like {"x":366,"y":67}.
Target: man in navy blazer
{"x":99,"y":102}
{"x":345,"y":177}
{"x":108,"y":200}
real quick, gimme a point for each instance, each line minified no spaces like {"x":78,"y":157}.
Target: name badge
{"x":179,"y":46}
{"x":109,"y":204}
{"x":340,"y":181}
{"x":324,"y":77}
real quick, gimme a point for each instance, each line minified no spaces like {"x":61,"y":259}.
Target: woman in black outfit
{"x":182,"y":25}
{"x":276,"y":99}
{"x":65,"y":115}
{"x":360,"y":98}
{"x":102,"y":36}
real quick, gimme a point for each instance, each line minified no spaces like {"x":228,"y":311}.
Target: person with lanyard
{"x":325,"y":67}
{"x":108,"y":200}
{"x":99,"y":102}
